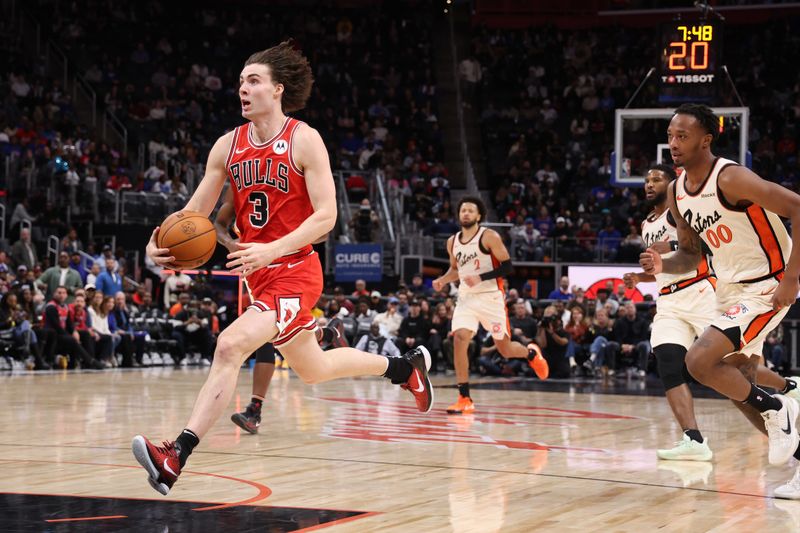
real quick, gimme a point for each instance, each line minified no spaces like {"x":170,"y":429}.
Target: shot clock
{"x":689,"y":53}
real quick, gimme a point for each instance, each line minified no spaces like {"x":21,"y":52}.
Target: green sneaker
{"x":687,"y":450}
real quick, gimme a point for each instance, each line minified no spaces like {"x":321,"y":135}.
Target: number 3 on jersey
{"x":260,"y":214}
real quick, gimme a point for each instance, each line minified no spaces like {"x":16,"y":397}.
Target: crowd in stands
{"x":546,"y":99}
{"x":374,"y":98}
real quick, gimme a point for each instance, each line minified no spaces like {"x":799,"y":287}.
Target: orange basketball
{"x":190,"y":237}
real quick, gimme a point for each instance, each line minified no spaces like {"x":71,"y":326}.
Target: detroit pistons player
{"x":687,"y":304}
{"x":736,"y":214}
{"x":284,"y":198}
{"x":479,"y":259}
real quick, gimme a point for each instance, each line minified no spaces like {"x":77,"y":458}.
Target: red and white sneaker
{"x":162,"y":464}
{"x":418,"y":383}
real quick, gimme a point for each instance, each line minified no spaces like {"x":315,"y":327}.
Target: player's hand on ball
{"x":651,"y":262}
{"x":251,"y":256}
{"x":630,"y":279}
{"x":786,"y":293}
{"x":472,"y":280}
{"x":160,"y":256}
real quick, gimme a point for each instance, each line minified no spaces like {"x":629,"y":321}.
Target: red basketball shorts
{"x":291,"y":287}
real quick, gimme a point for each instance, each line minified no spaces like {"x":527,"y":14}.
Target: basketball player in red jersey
{"x":736,"y":214}
{"x":285,"y":198}
{"x":479,"y":259}
{"x":250,"y":419}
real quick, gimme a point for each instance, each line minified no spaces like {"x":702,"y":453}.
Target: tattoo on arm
{"x":689,"y":246}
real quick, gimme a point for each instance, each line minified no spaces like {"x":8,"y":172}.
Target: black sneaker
{"x":418,"y":383}
{"x":333,"y":334}
{"x":248,"y":420}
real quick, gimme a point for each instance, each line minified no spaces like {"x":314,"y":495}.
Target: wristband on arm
{"x":503,"y":269}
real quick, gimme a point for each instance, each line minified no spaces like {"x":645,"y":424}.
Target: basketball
{"x":190,"y":237}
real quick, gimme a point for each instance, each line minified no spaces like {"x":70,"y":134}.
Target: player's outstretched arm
{"x":741,"y":186}
{"x":689,"y":251}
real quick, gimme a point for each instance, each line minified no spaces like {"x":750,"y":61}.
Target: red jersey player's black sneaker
{"x":248,"y":420}
{"x":418,"y":383}
{"x":162,"y":464}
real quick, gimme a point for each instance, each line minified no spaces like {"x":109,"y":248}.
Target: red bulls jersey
{"x":269,"y":190}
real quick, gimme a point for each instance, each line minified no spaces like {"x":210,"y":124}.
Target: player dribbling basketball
{"x":285,"y":198}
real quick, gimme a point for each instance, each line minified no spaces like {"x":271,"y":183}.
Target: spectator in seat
{"x":67,"y":339}
{"x":79,"y":315}
{"x":183,"y":301}
{"x":608,"y":241}
{"x":12,"y":317}
{"x":562,"y":292}
{"x":99,"y":310}
{"x":76,"y":263}
{"x":365,"y":223}
{"x":194,"y":330}
{"x":390,"y":320}
{"x":375,"y":303}
{"x":604,"y":300}
{"x":176,"y":283}
{"x":130,"y":341}
{"x":377,"y":343}
{"x":631,"y":246}
{"x":600,"y":333}
{"x":553,"y":341}
{"x":361,"y":289}
{"x":418,"y":287}
{"x":60,"y":276}
{"x":414,"y":329}
{"x":71,"y":243}
{"x":342,"y":301}
{"x":364,"y":316}
{"x":23,"y":252}
{"x":440,"y":330}
{"x":523,"y":326}
{"x":109,"y":282}
{"x":632,"y":340}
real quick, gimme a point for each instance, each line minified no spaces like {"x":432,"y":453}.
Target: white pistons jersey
{"x":472,"y":258}
{"x":748,"y":244}
{"x":663,"y":228}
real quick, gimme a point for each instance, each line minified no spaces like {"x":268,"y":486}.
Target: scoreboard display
{"x":689,"y":57}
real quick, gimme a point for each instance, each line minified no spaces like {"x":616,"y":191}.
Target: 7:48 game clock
{"x":688,"y":60}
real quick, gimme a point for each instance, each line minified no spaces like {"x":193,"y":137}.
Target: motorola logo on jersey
{"x":280,"y":146}
{"x":250,"y":172}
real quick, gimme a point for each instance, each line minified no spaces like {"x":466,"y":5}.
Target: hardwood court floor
{"x":527,"y":461}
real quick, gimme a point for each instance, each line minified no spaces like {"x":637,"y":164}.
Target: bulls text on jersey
{"x":248,"y":173}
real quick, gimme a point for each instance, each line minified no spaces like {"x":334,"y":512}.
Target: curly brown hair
{"x":290,"y":68}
